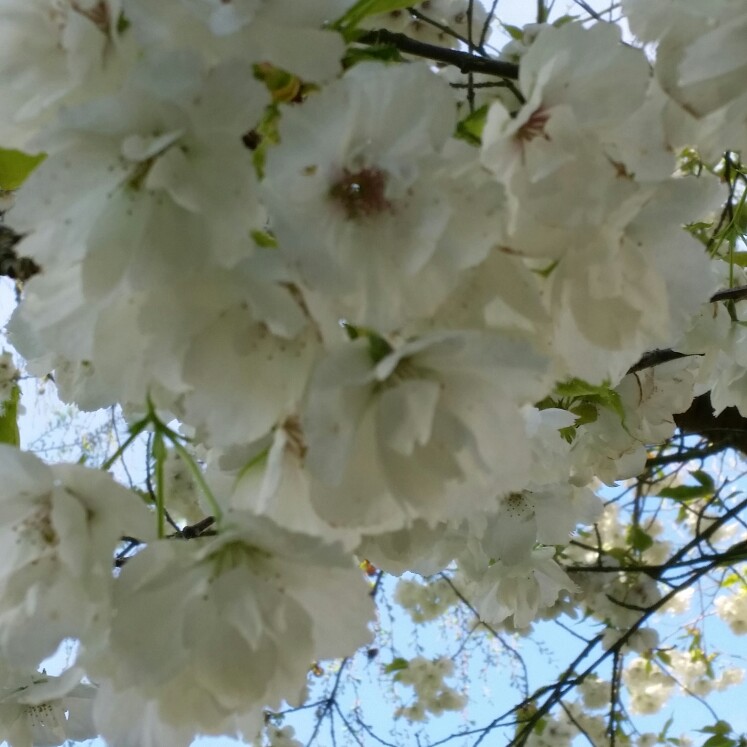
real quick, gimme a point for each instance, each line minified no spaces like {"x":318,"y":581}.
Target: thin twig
{"x":517,"y":657}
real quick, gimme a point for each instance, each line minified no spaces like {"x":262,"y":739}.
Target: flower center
{"x":361,"y":193}
{"x":517,"y":505}
{"x":295,"y":443}
{"x":534,"y":127}
{"x":97,"y":14}
{"x":37,"y":529}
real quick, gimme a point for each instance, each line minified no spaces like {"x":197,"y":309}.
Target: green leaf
{"x":638,"y":539}
{"x":563,"y":20}
{"x":514,"y":32}
{"x":619,"y":554}
{"x":579,"y":388}
{"x":352,"y":332}
{"x":664,"y":729}
{"x":378,"y":347}
{"x":730,"y":580}
{"x":739,"y":258}
{"x":720,"y":727}
{"x":396,"y":665}
{"x":719,"y":740}
{"x":686,"y":492}
{"x":585,"y":412}
{"x":667,"y":659}
{"x":363,"y":8}
{"x":9,"y":418}
{"x":267,"y":134}
{"x":601,"y":394}
{"x":282,"y":85}
{"x":545,"y":272}
{"x":15,"y":167}
{"x":703,"y":478}
{"x":568,"y":434}
{"x":122,"y":23}
{"x":264,"y":240}
{"x":471,"y":127}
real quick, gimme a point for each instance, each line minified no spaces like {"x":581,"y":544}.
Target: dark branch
{"x":656,"y":358}
{"x":466,"y":62}
{"x":687,"y":455}
{"x":738,"y":293}
{"x":728,"y":429}
{"x":11,"y":265}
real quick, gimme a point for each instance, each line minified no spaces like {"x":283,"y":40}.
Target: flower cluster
{"x":424,"y":602}
{"x":38,"y":709}
{"x":648,"y":685}
{"x":432,"y":694}
{"x":8,"y":375}
{"x":732,"y":609}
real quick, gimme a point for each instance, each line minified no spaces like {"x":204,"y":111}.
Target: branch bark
{"x":465,"y":61}
{"x":11,"y":265}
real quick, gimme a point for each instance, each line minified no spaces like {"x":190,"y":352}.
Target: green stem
{"x":253,"y":462}
{"x":158,"y":452}
{"x":217,"y":511}
{"x":135,"y":431}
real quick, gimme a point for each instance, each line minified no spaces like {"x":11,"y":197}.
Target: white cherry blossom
{"x":60,"y":526}
{"x":194,"y":617}
{"x":289,"y":35}
{"x":441,"y":411}
{"x":54,"y":52}
{"x":39,"y":710}
{"x":364,"y":211}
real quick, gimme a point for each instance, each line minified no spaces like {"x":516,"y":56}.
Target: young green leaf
{"x":363,"y":8}
{"x":15,"y":167}
{"x":396,"y":665}
{"x":638,"y":539}
{"x":9,"y":418}
{"x":686,"y":492}
{"x":703,"y":478}
{"x":471,"y":127}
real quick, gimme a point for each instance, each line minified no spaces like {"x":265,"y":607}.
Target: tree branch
{"x":738,"y":293}
{"x":466,"y":62}
{"x":11,"y":265}
{"x":684,"y":456}
{"x":656,"y":357}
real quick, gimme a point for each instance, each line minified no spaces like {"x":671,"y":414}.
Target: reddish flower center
{"x":534,"y":127}
{"x":361,"y":193}
{"x":98,"y":14}
{"x":293,"y":431}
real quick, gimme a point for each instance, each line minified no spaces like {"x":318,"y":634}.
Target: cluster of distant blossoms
{"x":732,"y":609}
{"x":8,"y":375}
{"x":393,"y":329}
{"x":432,"y":694}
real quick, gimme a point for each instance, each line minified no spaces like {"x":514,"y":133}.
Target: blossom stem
{"x":197,"y":473}
{"x":135,"y":431}
{"x":159,"y":454}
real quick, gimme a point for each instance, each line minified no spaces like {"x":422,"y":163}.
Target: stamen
{"x":534,"y":127}
{"x":361,"y":193}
